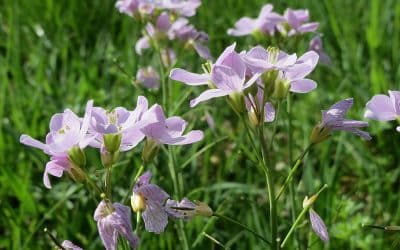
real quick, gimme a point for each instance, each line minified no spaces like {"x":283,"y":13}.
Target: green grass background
{"x":59,"y":54}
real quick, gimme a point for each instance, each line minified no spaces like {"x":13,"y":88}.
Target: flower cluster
{"x":112,"y":132}
{"x":273,"y":73}
{"x":293,"y":22}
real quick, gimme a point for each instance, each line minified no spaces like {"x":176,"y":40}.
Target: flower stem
{"x":272,"y":210}
{"x":243,"y":226}
{"x":138,"y":173}
{"x":292,"y":171}
{"x":301,"y":215}
{"x":107,"y":182}
{"x":55,"y":241}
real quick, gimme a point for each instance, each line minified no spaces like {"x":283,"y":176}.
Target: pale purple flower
{"x":194,"y":79}
{"x":260,"y":60}
{"x":296,"y":73}
{"x":148,"y":77}
{"x":255,"y":105}
{"x":227,"y":80}
{"x":67,"y":130}
{"x":151,"y":198}
{"x":318,"y":226}
{"x":384,"y":108}
{"x":333,"y":119}
{"x":316,"y":45}
{"x":170,"y":130}
{"x":298,"y":22}
{"x":182,"y":7}
{"x":178,"y":30}
{"x":114,"y":220}
{"x":118,"y":121}
{"x":128,"y":7}
{"x":68,"y":245}
{"x":266,"y":22}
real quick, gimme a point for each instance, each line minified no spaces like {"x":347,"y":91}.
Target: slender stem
{"x":177,"y":192}
{"x":290,"y":148}
{"x":296,"y":222}
{"x":107,"y":183}
{"x":93,"y":185}
{"x":243,"y":226}
{"x":278,"y":107}
{"x":292,"y":171}
{"x":55,"y":241}
{"x":164,"y":86}
{"x":301,"y":215}
{"x":139,"y":172}
{"x":138,"y":220}
{"x":272,"y":211}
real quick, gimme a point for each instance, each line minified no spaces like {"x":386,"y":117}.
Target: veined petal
{"x":189,"y":78}
{"x":155,"y":218}
{"x":269,"y":112}
{"x":302,"y":86}
{"x":191,"y":137}
{"x":208,"y":94}
{"x":381,"y":108}
{"x":227,"y":79}
{"x":318,"y":226}
{"x":29,"y":141}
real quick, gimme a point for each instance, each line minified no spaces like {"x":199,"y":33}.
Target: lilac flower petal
{"x":68,"y":245}
{"x":206,"y":95}
{"x":155,"y":218}
{"x":395,"y":98}
{"x":29,"y":141}
{"x":269,"y":112}
{"x":163,"y":22}
{"x":141,"y":44}
{"x":251,"y":81}
{"x":189,"y":78}
{"x":310,"y":58}
{"x":243,"y":27}
{"x":381,"y":108}
{"x":85,"y":140}
{"x":225,"y":53}
{"x":318,"y":226}
{"x":123,"y":224}
{"x":302,"y":86}
{"x":144,"y":179}
{"x":202,"y":51}
{"x":308,"y":27}
{"x":55,"y":168}
{"x":153,"y":192}
{"x":191,"y":137}
{"x":362,"y":134}
{"x":225,"y":78}
{"x":176,"y":125}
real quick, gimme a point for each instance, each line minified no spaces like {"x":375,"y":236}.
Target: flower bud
{"x":253,"y":118}
{"x":237,"y":101}
{"x":269,"y":79}
{"x":77,"y":174}
{"x":150,"y":150}
{"x":203,"y":209}
{"x":319,"y":134}
{"x":281,"y":89}
{"x":308,"y":202}
{"x":112,"y":142}
{"x":77,"y":156}
{"x":138,"y":203}
{"x":108,"y":159}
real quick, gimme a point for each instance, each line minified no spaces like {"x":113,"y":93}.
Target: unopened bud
{"x":308,"y":202}
{"x":237,"y":101}
{"x":150,"y":150}
{"x":281,"y":89}
{"x":203,"y":209}
{"x":269,"y":78}
{"x":77,"y":174}
{"x":138,"y":203}
{"x":77,"y":156}
{"x":108,"y":159}
{"x":112,"y":142}
{"x":253,"y":118}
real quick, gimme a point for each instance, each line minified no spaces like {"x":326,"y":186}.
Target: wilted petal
{"x":155,"y":218}
{"x":318,"y":226}
{"x":189,"y":78}
{"x":144,"y":179}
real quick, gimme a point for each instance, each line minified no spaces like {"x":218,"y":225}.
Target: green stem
{"x":177,"y":192}
{"x":301,"y":215}
{"x":291,"y":184}
{"x":93,"y":185}
{"x":139,"y":172}
{"x":272,"y":211}
{"x":107,"y":183}
{"x":292,"y":171}
{"x":243,"y":226}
